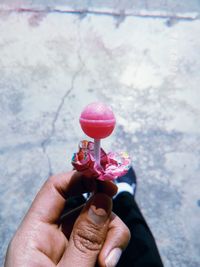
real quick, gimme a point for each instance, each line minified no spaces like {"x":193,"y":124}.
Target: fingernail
{"x":113,"y":258}
{"x":100,"y":208}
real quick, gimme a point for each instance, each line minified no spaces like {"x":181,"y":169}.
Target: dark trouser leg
{"x":142,"y":250}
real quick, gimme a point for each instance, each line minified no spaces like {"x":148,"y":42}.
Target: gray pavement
{"x":145,"y":63}
{"x":115,"y":5}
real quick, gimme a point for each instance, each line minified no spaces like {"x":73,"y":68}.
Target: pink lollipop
{"x":97,"y":121}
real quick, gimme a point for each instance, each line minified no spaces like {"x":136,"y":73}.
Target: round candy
{"x":97,"y":120}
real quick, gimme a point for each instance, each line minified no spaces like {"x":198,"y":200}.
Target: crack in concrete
{"x":47,"y":140}
{"x":122,"y":14}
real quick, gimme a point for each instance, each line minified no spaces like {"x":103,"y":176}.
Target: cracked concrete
{"x":47,"y":140}
{"x":145,"y":65}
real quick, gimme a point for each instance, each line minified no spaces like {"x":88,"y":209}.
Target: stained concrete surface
{"x":145,"y":66}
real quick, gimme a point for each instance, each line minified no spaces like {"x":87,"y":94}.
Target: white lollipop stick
{"x":97,"y":151}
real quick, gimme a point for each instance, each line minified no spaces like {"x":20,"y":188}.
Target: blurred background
{"x":140,"y":57}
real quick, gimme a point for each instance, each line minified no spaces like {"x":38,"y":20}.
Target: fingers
{"x":49,"y":202}
{"x":117,"y":239}
{"x":89,"y":233}
{"x":67,"y":221}
{"x":107,"y":187}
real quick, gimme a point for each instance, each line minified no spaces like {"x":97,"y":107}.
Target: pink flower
{"x":113,"y":165}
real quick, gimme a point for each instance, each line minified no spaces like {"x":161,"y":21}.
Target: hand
{"x":44,"y":239}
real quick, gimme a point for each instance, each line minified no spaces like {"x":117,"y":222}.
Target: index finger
{"x":50,"y":200}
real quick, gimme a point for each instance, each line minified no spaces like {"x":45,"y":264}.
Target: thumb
{"x":89,"y":233}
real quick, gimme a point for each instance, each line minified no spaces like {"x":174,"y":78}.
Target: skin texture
{"x":46,"y":238}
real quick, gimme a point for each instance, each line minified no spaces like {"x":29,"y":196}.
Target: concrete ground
{"x":142,"y":58}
